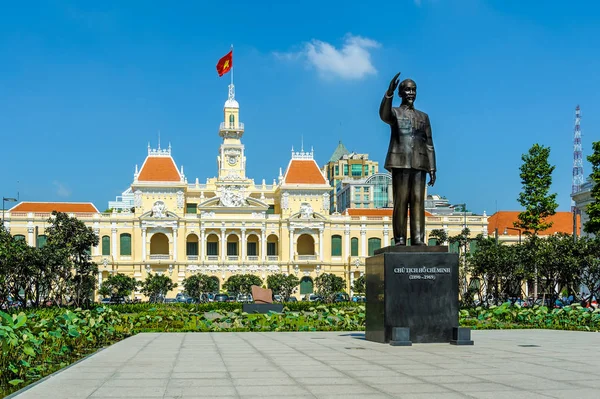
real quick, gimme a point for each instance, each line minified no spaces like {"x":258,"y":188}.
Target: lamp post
{"x":5,"y":199}
{"x":535,"y":285}
{"x":513,"y":228}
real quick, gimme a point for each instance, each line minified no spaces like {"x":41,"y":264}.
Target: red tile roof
{"x":562,"y":223}
{"x":48,"y":207}
{"x":303,"y":172}
{"x":159,"y":169}
{"x":374,"y":212}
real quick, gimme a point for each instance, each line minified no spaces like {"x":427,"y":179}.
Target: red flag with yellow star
{"x":225,"y":63}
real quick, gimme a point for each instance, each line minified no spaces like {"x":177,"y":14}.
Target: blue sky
{"x":85,"y":86}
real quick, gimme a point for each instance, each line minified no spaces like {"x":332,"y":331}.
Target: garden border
{"x":29,"y":386}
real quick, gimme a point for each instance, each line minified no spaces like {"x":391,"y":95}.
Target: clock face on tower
{"x":232,"y":160}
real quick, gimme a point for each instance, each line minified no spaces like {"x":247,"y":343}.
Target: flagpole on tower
{"x":232,"y":64}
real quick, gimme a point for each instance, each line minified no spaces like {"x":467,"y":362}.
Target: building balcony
{"x":233,"y":258}
{"x":192,"y":257}
{"x":212,"y":258}
{"x":160,"y":257}
{"x":306,"y":257}
{"x":237,"y":127}
{"x":252,"y":258}
{"x":272,"y":258}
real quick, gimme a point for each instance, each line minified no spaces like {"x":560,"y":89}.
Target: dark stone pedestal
{"x":461,"y":336}
{"x":414,"y":288}
{"x":262,"y":307}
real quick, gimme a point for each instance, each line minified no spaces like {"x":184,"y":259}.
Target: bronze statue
{"x":410,"y":157}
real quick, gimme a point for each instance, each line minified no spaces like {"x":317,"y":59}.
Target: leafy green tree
{"x":156,"y":286}
{"x":328,"y":285}
{"x":536,"y":178}
{"x":439,"y":235}
{"x":359,"y":286}
{"x":242,"y":283}
{"x":282,"y":285}
{"x":589,"y":262}
{"x":592,"y":226}
{"x":198,"y":284}
{"x":72,"y":235}
{"x":118,"y":285}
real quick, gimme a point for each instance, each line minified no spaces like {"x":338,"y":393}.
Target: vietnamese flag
{"x":224,"y":65}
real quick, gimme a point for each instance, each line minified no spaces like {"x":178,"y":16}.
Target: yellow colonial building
{"x":229,"y":224}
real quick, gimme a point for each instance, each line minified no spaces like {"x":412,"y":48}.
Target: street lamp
{"x":5,"y":199}
{"x":513,"y":228}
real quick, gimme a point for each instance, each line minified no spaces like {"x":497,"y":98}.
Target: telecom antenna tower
{"x":577,"y":157}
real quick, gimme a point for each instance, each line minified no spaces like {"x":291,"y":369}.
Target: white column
{"x":143,"y":243}
{"x":346,"y":243}
{"x":291,"y":244}
{"x":386,"y":236}
{"x":175,"y":243}
{"x":243,"y":245}
{"x":99,"y":279}
{"x":223,"y":245}
{"x":321,"y":244}
{"x":30,"y":236}
{"x":202,"y":245}
{"x":97,"y":247}
{"x":351,"y":283}
{"x":263,"y":244}
{"x":363,"y":241}
{"x":114,"y":241}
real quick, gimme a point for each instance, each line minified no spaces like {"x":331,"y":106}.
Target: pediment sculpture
{"x":159,"y":210}
{"x":306,"y":211}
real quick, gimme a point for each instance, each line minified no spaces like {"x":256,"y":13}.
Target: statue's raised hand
{"x":393,"y":85}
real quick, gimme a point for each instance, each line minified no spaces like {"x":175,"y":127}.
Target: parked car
{"x":221,"y":298}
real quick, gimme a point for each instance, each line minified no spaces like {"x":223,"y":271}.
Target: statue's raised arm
{"x":385,"y":109}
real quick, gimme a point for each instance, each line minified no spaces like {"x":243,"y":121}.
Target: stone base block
{"x":461,"y":336}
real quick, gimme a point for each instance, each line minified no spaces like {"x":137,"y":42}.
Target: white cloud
{"x":352,"y":61}
{"x":61,"y":189}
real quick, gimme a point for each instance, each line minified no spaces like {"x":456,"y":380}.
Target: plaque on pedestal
{"x":415,"y":288}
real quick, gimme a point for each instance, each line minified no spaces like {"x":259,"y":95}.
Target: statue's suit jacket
{"x":411,"y":145}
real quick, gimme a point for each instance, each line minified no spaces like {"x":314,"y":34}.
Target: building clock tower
{"x":231,"y":160}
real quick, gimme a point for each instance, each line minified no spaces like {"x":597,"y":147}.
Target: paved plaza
{"x":502,"y":364}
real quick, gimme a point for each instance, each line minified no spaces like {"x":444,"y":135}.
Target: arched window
{"x":374,"y":243}
{"x":231,"y":120}
{"x":336,"y":245}
{"x":306,"y":285}
{"x":41,"y":241}
{"x":354,"y":246}
{"x":105,"y":245}
{"x":125,"y":241}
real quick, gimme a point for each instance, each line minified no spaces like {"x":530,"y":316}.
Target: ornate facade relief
{"x":306,"y":210}
{"x":231,"y":196}
{"x":159,"y":210}
{"x":285,"y":200}
{"x":137,"y":198}
{"x":180,"y":199}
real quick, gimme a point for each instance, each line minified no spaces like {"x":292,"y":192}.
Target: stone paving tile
{"x":321,"y":365}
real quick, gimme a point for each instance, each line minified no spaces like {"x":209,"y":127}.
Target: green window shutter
{"x":212,"y":248}
{"x":454,"y":247}
{"x":271,"y":210}
{"x":41,"y":241}
{"x":271,"y":249}
{"x":306,"y":285}
{"x":336,"y":245}
{"x":191,"y":208}
{"x":19,"y":237}
{"x":473,"y":246}
{"x":374,"y":243}
{"x":231,"y":120}
{"x":252,"y":249}
{"x":354,"y":246}
{"x":232,"y":248}
{"x":105,"y":245}
{"x":191,"y":248}
{"x":125,"y":239}
{"x":432,"y":242}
